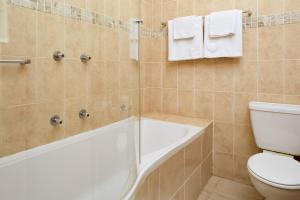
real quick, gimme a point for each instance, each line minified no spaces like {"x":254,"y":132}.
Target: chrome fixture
{"x":85,"y":58}
{"x":21,"y":62}
{"x":83,"y":114}
{"x":58,"y":56}
{"x":56,"y":120}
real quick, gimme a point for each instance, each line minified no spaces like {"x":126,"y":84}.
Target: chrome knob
{"x":56,"y":120}
{"x":85,"y":58}
{"x":58,"y":56}
{"x":83,"y":114}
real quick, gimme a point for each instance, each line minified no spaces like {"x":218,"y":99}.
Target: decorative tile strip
{"x":57,"y":7}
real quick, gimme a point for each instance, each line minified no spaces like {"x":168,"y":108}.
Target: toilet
{"x":274,"y":172}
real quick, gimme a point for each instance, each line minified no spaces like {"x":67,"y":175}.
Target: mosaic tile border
{"x":272,"y":20}
{"x":71,"y":12}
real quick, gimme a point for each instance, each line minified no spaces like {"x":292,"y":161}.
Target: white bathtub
{"x":96,"y":165}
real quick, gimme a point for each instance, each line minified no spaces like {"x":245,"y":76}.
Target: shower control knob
{"x":83,"y":114}
{"x":58,"y":56}
{"x":56,"y":120}
{"x":85,"y":58}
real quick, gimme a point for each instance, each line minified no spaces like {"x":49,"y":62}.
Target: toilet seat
{"x":274,"y":169}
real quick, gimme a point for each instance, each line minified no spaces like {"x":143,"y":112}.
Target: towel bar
{"x":248,"y":12}
{"x":21,"y":62}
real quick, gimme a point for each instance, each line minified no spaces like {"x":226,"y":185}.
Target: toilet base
{"x":274,"y":193}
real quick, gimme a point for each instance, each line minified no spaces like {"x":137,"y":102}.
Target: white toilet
{"x":275,"y":173}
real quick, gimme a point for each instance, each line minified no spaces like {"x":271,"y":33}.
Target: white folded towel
{"x":184,"y":27}
{"x":230,"y":46}
{"x":3,"y":22}
{"x":186,"y":49}
{"x":134,"y":40}
{"x":222,"y":24}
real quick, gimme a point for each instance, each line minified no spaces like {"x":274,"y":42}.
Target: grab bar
{"x":21,"y":62}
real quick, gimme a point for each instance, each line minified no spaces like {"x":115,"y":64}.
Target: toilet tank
{"x":276,"y":127}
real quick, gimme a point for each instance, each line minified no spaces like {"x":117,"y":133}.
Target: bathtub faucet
{"x":83,"y":114}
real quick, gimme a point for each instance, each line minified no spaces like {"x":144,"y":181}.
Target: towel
{"x":222,"y":24}
{"x":186,"y":49}
{"x":230,"y":46}
{"x":183,"y":27}
{"x":3,"y":22}
{"x":134,"y":40}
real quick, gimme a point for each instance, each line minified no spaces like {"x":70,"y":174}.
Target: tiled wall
{"x":31,"y":94}
{"x":183,"y":176}
{"x":220,"y":89}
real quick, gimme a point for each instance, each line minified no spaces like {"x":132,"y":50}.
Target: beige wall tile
{"x":22,"y":24}
{"x":43,"y":112}
{"x":246,"y":77}
{"x":241,"y":170}
{"x":292,"y":5}
{"x":203,"y":7}
{"x":204,"y":104}
{"x":75,"y":43}
{"x":224,"y":75}
{"x":153,"y":185}
{"x":186,"y":102}
{"x":73,"y":124}
{"x":50,"y":38}
{"x":50,"y":79}
{"x":169,"y":10}
{"x":244,"y":143}
{"x":97,"y":6}
{"x":204,"y":75}
{"x":206,"y":170}
{"x":223,"y":165}
{"x":179,"y":195}
{"x":271,"y":77}
{"x":223,"y":4}
{"x":241,"y":107}
{"x":291,"y":38}
{"x":75,"y":79}
{"x":186,"y":76}
{"x":193,"y":186}
{"x":18,"y":84}
{"x":223,"y":108}
{"x":170,"y":101}
{"x":292,"y":74}
{"x":247,"y":5}
{"x":250,"y":42}
{"x":170,"y":71}
{"x":16,"y":128}
{"x":207,"y":141}
{"x":223,"y":137}
{"x":171,"y":175}
{"x":271,"y":43}
{"x":193,"y":156}
{"x":185,"y":7}
{"x":267,"y":7}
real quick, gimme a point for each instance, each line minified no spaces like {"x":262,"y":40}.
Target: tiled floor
{"x":223,"y":189}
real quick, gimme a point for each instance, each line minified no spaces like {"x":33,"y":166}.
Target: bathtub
{"x":101,"y":164}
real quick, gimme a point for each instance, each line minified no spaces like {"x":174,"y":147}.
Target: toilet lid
{"x":276,"y":168}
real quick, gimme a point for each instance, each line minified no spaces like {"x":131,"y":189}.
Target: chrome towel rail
{"x":21,"y":62}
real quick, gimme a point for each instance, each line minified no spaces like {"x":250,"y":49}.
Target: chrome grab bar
{"x":21,"y":62}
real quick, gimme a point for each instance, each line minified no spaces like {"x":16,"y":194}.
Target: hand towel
{"x":3,"y":22}
{"x":134,"y":40}
{"x":186,"y":49}
{"x":222,"y":24}
{"x":184,"y":27}
{"x":231,"y":46}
